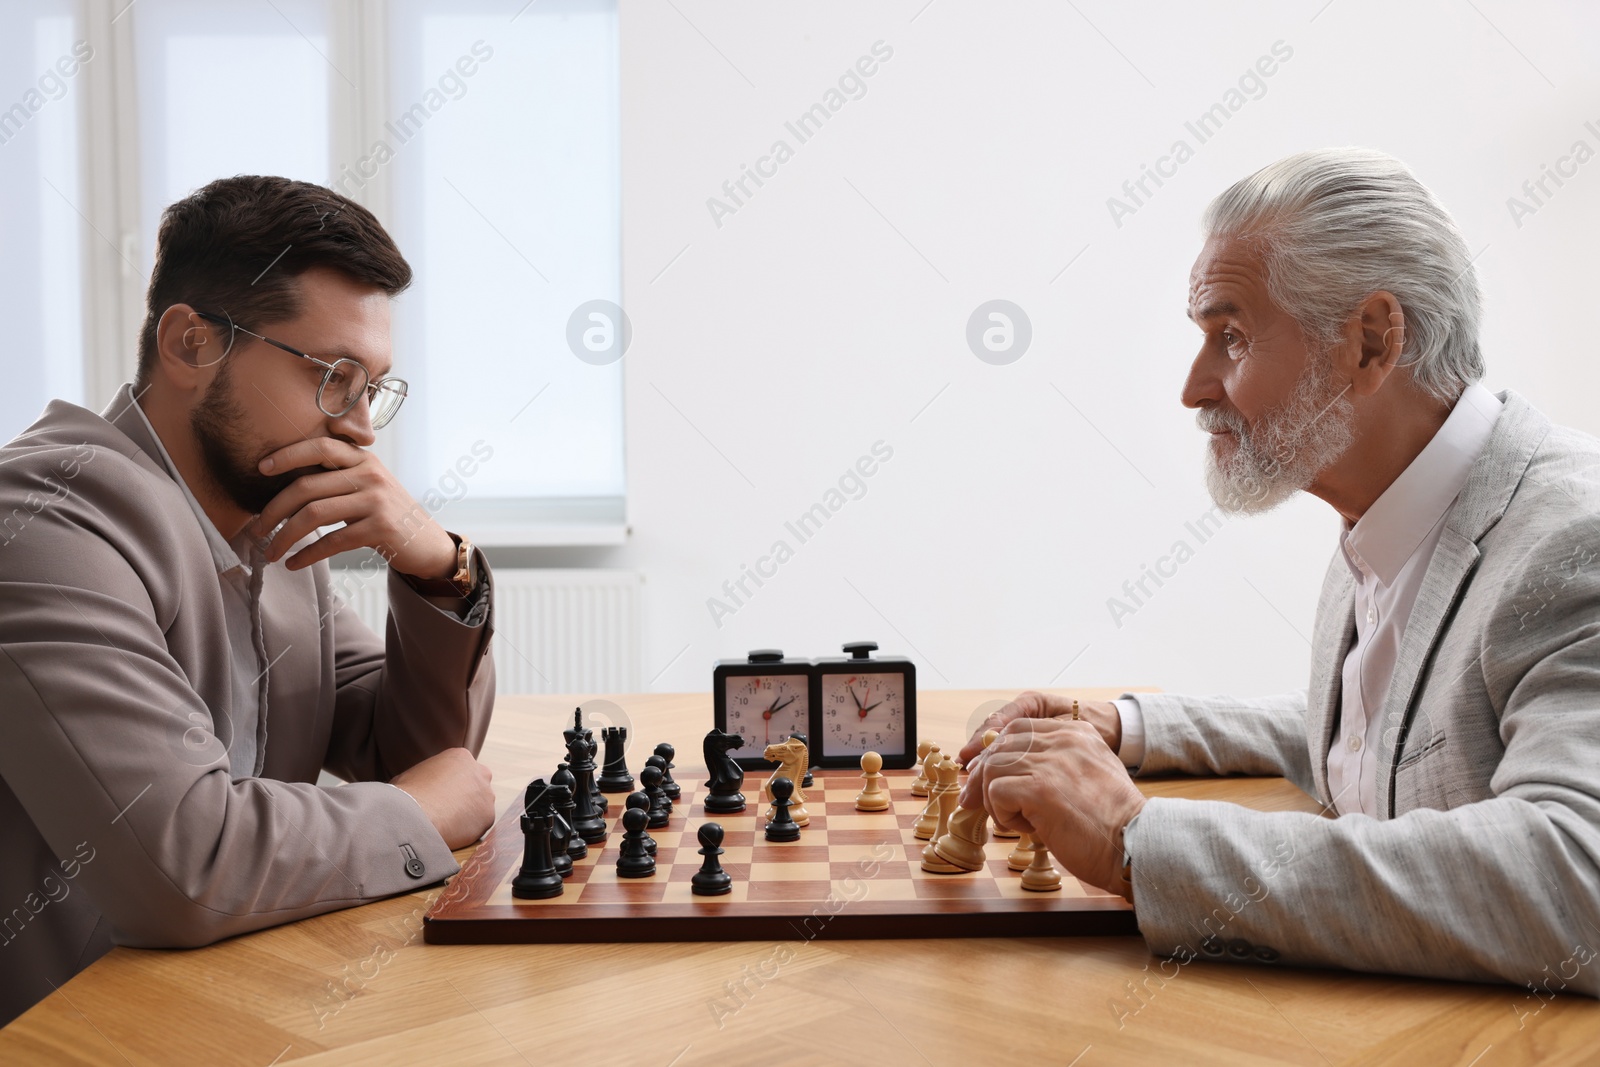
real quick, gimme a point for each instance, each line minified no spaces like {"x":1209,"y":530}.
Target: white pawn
{"x":874,"y":797}
{"x":928,"y":753}
{"x":1041,"y":875}
{"x":1022,"y":856}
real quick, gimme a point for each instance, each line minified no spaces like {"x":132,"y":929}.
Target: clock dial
{"x":766,"y":709}
{"x":863,"y":712}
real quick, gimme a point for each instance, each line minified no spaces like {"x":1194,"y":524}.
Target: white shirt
{"x":1388,"y":552}
{"x":241,"y":607}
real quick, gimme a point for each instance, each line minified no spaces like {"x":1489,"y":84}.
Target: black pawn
{"x":576,"y":847}
{"x":661,"y":765}
{"x":614,"y":777}
{"x":660,"y":807}
{"x":711,"y":880}
{"x":782,"y":827}
{"x":537,"y":879}
{"x":807,"y":782}
{"x":641,"y":800}
{"x":561,"y":832}
{"x":634,"y":861}
{"x":667,"y":752}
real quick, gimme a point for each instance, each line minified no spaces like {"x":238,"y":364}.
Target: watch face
{"x":863,"y":713}
{"x":766,"y":709}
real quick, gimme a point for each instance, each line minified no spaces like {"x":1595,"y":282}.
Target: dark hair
{"x":238,"y":246}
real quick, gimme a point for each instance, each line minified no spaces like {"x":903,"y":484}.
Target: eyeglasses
{"x":344,"y":381}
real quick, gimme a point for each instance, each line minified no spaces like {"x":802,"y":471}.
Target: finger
{"x":996,"y":721}
{"x":312,"y":452}
{"x":1006,"y":797}
{"x":326,"y":511}
{"x":300,"y":492}
{"x":344,"y":539}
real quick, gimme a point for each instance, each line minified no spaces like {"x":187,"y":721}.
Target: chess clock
{"x":864,"y":705}
{"x":762,"y":698}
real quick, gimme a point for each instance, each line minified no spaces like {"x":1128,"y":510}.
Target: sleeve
{"x":1131,"y":750}
{"x":96,"y":717}
{"x":1225,"y":735}
{"x":428,"y":685}
{"x":1502,"y":887}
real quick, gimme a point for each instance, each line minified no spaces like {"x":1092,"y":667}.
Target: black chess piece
{"x":660,"y":764}
{"x":576,"y":847}
{"x":782,"y":827}
{"x":725,"y":776}
{"x":667,"y":753}
{"x":710,"y":880}
{"x":633,"y":861}
{"x":602,"y":803}
{"x":614,"y":777}
{"x":561,"y":831}
{"x":807,"y":782}
{"x":537,"y":878}
{"x":641,"y":800}
{"x":587,"y":819}
{"x":660,"y":810}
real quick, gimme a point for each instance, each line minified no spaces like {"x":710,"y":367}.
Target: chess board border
{"x":463,"y":914}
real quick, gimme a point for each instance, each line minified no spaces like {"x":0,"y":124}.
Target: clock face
{"x":863,"y":713}
{"x":765,"y":709}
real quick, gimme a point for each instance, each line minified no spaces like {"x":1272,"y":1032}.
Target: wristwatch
{"x":461,"y":583}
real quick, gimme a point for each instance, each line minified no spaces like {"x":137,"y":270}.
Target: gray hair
{"x":1334,"y":226}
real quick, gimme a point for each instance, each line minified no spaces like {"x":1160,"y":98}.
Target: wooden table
{"x":360,"y":986}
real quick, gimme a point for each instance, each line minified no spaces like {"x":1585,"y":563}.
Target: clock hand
{"x":780,"y":707}
{"x":853,"y":696}
{"x":868,"y":708}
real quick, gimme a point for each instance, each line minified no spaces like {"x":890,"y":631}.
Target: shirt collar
{"x":223,"y":554}
{"x":1401,"y":518}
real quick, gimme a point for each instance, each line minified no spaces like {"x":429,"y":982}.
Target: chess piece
{"x":660,"y":811}
{"x":780,"y":826}
{"x":710,"y":880}
{"x":1021,"y":857}
{"x":793,"y":759}
{"x":1041,"y":875}
{"x":641,"y":800}
{"x":944,"y":791}
{"x":588,"y":819}
{"x":602,"y":803}
{"x":874,"y":797}
{"x":614,"y":777}
{"x":919,"y":784}
{"x":928,"y":821}
{"x":537,"y":879}
{"x":807,"y":782}
{"x":561,"y":831}
{"x":660,"y":764}
{"x":633,"y":861}
{"x":576,"y":847}
{"x":726,"y":776}
{"x":667,"y":754}
{"x":962,"y":844}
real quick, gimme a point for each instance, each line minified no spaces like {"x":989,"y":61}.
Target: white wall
{"x":777,"y":348}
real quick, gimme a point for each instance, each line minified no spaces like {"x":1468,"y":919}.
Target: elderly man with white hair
{"x":1451,"y":726}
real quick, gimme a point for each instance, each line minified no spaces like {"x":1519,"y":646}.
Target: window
{"x":43,"y":55}
{"x":498,"y":175}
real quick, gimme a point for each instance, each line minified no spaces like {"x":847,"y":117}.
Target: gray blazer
{"x":119,"y":819}
{"x":1483,"y":865}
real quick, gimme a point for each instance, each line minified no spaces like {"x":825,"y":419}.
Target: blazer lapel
{"x":1332,"y":637}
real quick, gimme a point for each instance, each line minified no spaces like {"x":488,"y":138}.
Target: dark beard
{"x":229,"y":467}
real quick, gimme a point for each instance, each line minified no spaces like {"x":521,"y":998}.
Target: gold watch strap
{"x":459,"y":584}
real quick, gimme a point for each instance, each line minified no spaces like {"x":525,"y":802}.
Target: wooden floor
{"x":360,"y":986}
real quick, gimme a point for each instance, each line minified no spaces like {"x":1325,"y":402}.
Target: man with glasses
{"x":175,"y":670}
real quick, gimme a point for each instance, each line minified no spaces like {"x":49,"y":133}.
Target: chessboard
{"x":852,"y":874}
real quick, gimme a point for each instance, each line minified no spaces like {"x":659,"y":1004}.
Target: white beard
{"x":1287,"y":449}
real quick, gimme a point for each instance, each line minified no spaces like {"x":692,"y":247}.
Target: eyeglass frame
{"x":370,"y":389}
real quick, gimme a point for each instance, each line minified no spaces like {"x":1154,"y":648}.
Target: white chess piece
{"x":874,"y":797}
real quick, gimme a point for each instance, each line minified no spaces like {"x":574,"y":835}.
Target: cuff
{"x":1131,"y":751}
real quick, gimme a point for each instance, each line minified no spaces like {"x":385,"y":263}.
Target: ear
{"x":188,"y":347}
{"x":1374,"y":338}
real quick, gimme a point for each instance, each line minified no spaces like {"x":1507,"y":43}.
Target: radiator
{"x":555,"y":630}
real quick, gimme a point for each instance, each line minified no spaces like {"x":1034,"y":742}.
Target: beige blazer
{"x":119,"y":820}
{"x":1485,"y":864}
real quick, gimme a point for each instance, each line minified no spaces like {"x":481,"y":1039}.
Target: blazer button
{"x":1239,"y":948}
{"x":1266,"y":954}
{"x":1212,"y":946}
